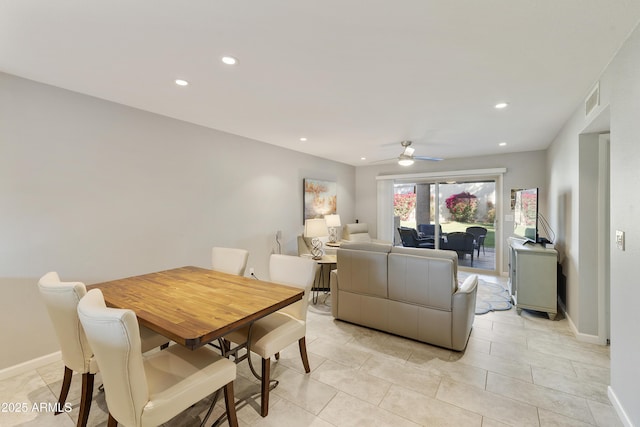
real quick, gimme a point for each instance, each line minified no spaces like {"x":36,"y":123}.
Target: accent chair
{"x":229,"y":260}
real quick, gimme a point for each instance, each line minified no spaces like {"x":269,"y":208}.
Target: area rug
{"x":323,"y":304}
{"x":491,"y":297}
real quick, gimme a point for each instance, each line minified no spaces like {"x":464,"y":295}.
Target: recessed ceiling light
{"x":501,"y":105}
{"x":363,"y":158}
{"x":229,"y":60}
{"x":502,"y":144}
{"x":181,"y":82}
{"x":303,"y":139}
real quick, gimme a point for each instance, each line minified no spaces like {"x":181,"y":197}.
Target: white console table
{"x":533,"y":277}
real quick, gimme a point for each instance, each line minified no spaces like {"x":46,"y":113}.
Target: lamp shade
{"x":332,"y":220}
{"x":315,"y":227}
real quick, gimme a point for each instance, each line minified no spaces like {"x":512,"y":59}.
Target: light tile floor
{"x":517,"y":370}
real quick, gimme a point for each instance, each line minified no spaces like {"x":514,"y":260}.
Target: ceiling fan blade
{"x":433,"y":159}
{"x":384,"y":160}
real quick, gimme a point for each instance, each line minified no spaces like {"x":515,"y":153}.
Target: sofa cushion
{"x":362,"y":268}
{"x":430,"y":253}
{"x":421,"y":280}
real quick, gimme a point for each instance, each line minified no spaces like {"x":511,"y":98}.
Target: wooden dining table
{"x":194,"y":306}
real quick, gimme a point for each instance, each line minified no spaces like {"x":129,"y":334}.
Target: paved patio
{"x":486,"y":260}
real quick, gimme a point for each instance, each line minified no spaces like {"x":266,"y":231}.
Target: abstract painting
{"x":319,"y":198}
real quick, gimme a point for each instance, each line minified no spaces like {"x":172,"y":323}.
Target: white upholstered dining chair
{"x":149,"y":390}
{"x":277,"y":331}
{"x":229,"y":260}
{"x":61,"y":300}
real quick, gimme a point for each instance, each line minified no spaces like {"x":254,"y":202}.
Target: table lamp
{"x":333,"y":222}
{"x":315,"y":228}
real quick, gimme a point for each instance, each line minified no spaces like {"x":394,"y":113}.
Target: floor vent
{"x":593,"y":100}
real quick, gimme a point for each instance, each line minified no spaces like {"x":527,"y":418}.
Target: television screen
{"x":525,"y":214}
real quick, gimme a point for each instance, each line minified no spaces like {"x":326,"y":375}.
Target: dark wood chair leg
{"x":302,"y":343}
{"x":112,"y":421}
{"x":230,"y":404}
{"x":64,"y":391}
{"x":266,"y":373}
{"x":85,"y":399}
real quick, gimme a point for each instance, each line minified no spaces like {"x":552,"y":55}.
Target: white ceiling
{"x":353,"y":76}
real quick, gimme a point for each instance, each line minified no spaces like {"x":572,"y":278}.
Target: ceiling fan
{"x":406,"y":158}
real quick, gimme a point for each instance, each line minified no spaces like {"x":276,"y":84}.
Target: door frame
{"x":385,"y":202}
{"x":604,"y":233}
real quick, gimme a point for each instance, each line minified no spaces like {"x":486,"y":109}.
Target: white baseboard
{"x":618,"y":407}
{"x":29,"y":365}
{"x":591,"y":339}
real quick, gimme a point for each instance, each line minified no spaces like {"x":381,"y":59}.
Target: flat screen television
{"x":525,"y":215}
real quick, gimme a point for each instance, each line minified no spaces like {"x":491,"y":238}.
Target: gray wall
{"x":524,"y":170}
{"x":625,"y":178}
{"x":95,"y":191}
{"x":619,"y":106}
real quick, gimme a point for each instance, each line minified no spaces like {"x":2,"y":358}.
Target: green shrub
{"x":491,"y":213}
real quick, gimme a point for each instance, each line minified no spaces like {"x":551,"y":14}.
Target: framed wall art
{"x":319,"y":198}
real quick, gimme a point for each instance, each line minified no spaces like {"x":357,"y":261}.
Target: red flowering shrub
{"x":403,"y":205}
{"x":463,"y":207}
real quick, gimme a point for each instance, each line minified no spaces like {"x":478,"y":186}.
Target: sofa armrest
{"x":463,"y":312}
{"x":469,"y":285}
{"x":333,"y":286}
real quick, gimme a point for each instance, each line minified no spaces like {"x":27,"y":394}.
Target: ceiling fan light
{"x":405,"y":161}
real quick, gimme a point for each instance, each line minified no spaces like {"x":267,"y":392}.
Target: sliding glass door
{"x":455,"y":215}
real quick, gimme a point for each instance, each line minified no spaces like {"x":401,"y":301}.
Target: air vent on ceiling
{"x":593,"y":100}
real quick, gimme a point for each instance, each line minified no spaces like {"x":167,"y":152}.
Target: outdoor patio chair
{"x":410,"y":238}
{"x":462,"y":243}
{"x":479,"y":234}
{"x":428,"y":231}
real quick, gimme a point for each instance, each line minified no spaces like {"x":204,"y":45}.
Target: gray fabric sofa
{"x":409,"y":292}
